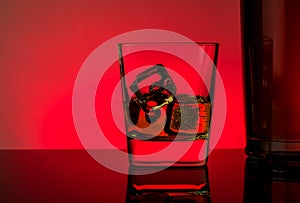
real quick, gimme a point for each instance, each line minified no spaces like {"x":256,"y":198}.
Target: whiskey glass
{"x":168,"y":91}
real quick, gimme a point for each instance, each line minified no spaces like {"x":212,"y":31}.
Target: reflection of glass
{"x":167,"y":95}
{"x":271,"y":43}
{"x":268,"y":182}
{"x":169,"y":185}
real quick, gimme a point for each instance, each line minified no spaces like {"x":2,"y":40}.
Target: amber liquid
{"x":184,"y":127}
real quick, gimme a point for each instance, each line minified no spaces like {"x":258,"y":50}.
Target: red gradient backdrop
{"x":44,"y":44}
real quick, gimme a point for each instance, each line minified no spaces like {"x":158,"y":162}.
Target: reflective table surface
{"x":74,"y":176}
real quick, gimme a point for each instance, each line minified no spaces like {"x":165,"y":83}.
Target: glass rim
{"x":207,"y":43}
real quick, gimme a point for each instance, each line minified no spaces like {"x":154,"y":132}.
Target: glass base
{"x":174,"y":197}
{"x":193,"y":153}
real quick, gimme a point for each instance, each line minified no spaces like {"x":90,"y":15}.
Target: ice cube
{"x":149,"y":103}
{"x":189,"y":115}
{"x":150,"y":98}
{"x":164,"y":81}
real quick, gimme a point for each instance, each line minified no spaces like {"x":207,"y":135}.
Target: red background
{"x":44,"y":44}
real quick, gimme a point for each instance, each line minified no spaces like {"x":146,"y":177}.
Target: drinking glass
{"x":167,"y":96}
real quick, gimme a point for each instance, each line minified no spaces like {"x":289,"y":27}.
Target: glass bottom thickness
{"x":183,"y":153}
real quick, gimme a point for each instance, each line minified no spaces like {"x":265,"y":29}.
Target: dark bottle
{"x":270,"y":33}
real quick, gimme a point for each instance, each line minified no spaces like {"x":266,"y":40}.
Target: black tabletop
{"x":74,"y":176}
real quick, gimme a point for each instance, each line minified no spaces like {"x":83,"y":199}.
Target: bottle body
{"x":271,"y":70}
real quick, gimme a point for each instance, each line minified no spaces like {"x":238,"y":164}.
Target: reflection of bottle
{"x":271,"y":56}
{"x":272,"y":183}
